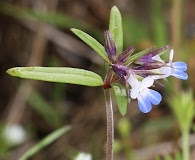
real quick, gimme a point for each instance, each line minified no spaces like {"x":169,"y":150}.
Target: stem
{"x":110,"y":125}
{"x":177,"y":10}
{"x":185,"y":145}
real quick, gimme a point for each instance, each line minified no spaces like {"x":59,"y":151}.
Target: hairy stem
{"x":110,"y":125}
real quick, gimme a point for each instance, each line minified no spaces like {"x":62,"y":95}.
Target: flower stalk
{"x":110,"y":125}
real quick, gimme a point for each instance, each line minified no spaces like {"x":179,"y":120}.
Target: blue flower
{"x":175,"y":69}
{"x":140,"y":91}
{"x":179,"y":68}
{"x":142,"y":75}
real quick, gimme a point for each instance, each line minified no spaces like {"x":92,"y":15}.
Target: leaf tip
{"x":115,"y":8}
{"x":123,"y":114}
{"x":73,"y":29}
{"x":13,"y":71}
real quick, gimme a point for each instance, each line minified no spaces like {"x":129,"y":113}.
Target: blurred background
{"x":37,"y":33}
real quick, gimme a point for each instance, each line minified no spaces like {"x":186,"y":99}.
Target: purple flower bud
{"x":124,"y":55}
{"x":109,"y":46}
{"x":144,"y":60}
{"x":120,"y":70}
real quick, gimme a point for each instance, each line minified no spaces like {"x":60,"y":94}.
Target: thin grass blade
{"x":45,"y":142}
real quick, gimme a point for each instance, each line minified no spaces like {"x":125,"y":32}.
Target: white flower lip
{"x":145,"y":96}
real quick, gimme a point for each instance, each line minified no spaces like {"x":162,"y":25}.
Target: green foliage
{"x":93,"y":43}
{"x":121,"y":97}
{"x":4,"y":146}
{"x":168,"y":157}
{"x":117,"y":146}
{"x":158,"y":23}
{"x":115,"y":28}
{"x":58,"y":74}
{"x":157,"y":158}
{"x":45,"y":142}
{"x":124,"y":131}
{"x":176,"y":156}
{"x":46,"y":110}
{"x":183,"y":107}
{"x":124,"y":128}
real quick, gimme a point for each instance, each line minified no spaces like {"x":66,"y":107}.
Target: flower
{"x":140,"y":91}
{"x":83,"y":156}
{"x":148,"y":67}
{"x":14,"y":134}
{"x":175,"y":69}
{"x":149,"y":61}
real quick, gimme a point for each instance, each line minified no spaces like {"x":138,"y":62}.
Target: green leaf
{"x":58,"y":74}
{"x":121,"y":97}
{"x":93,"y":43}
{"x":115,"y":27}
{"x":138,"y":55}
{"x":45,"y":142}
{"x":183,"y":106}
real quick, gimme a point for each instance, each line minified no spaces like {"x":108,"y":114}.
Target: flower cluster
{"x":147,"y":69}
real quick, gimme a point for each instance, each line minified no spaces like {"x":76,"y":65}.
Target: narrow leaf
{"x":58,"y":74}
{"x":138,"y":55}
{"x":115,"y":27}
{"x":45,"y":142}
{"x":121,"y":97}
{"x":93,"y":43}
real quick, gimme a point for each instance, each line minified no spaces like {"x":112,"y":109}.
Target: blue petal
{"x":153,"y":96}
{"x":182,"y":66}
{"x":180,"y":75}
{"x":144,"y":104}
